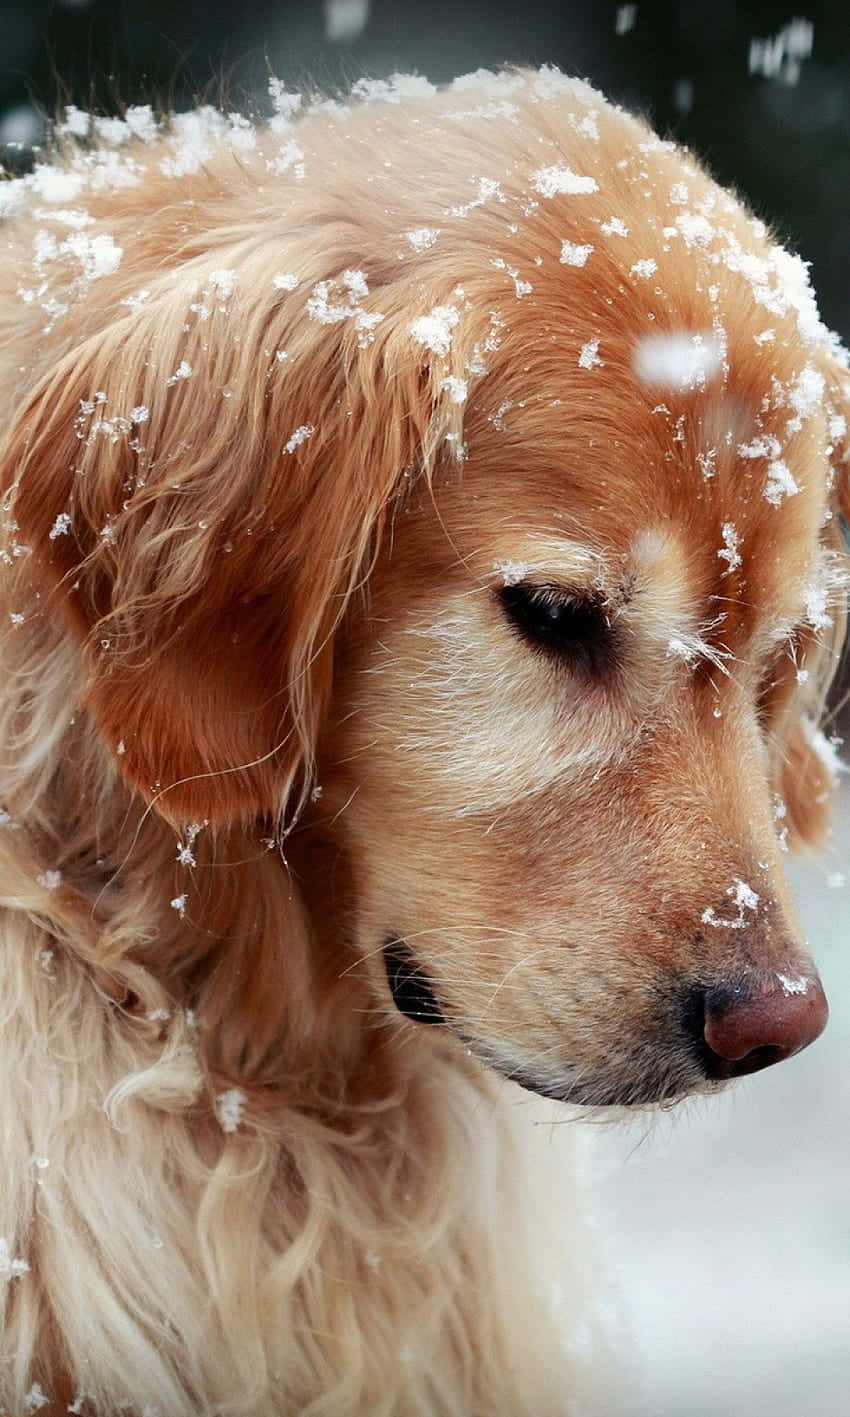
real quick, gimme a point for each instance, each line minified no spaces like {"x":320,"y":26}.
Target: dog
{"x":422,"y":575}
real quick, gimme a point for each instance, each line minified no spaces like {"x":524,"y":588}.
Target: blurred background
{"x":728,"y":1223}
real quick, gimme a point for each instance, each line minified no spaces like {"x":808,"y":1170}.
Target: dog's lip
{"x":415,"y":997}
{"x":411,"y":988}
{"x":594,"y":1095}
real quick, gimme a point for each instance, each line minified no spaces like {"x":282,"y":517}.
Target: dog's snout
{"x":747,"y":1028}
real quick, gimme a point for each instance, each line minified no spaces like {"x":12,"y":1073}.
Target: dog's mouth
{"x":412,"y":990}
{"x":415,"y":998}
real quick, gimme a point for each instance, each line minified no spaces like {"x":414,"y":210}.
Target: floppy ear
{"x":201,"y":485}
{"x":808,"y":773}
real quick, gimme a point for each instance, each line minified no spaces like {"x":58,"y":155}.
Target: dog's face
{"x":561,"y":742}
{"x":567,"y":741}
{"x":523,"y":537}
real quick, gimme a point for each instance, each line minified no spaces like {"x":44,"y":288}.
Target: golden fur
{"x":255,"y":514}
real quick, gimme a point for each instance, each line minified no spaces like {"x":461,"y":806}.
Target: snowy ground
{"x":729,"y":1221}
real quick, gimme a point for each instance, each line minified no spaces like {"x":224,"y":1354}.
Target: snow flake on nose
{"x":790,"y":985}
{"x":744,"y":897}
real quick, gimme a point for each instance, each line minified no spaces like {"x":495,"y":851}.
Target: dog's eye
{"x":565,"y":624}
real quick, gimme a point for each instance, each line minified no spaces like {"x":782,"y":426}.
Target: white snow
{"x":744,"y":897}
{"x":624,"y":19}
{"x":300,"y":436}
{"x":589,"y":355}
{"x":511,"y":572}
{"x":560,"y":180}
{"x":730,"y":550}
{"x":345,"y":20}
{"x":183,"y":371}
{"x":780,"y":483}
{"x":60,"y":527}
{"x":457,"y":389}
{"x":229,"y":1109}
{"x":781,"y":57}
{"x":434,"y":330}
{"x":793,"y":985}
{"x":573,"y":254}
{"x":644,"y":268}
{"x":422,"y":237}
{"x":14,"y":1268}
{"x":615,"y":226}
{"x":679,"y":361}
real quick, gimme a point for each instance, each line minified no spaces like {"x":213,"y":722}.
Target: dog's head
{"x":492,"y":484}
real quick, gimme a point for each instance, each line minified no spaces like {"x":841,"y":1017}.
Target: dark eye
{"x":566,"y":624}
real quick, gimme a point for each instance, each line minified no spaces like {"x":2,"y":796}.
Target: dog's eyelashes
{"x":567,"y":625}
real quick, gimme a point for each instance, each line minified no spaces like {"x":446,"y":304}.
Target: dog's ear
{"x":808,"y":772}
{"x":200,"y":486}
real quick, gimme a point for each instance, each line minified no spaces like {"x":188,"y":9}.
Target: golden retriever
{"x":421,"y":570}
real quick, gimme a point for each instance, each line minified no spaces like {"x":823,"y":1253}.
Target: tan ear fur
{"x":202,"y":508}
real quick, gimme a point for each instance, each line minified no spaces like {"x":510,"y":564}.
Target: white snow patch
{"x":744,"y":897}
{"x":185,"y":849}
{"x":345,"y":20}
{"x":730,"y":550}
{"x":183,"y":371}
{"x":589,"y":355}
{"x":781,"y":56}
{"x":50,"y":880}
{"x":298,"y":437}
{"x":14,"y":1268}
{"x":625,"y":18}
{"x":511,"y":572}
{"x":457,"y":389}
{"x":644,"y":268}
{"x":560,"y":180}
{"x":574,"y":255}
{"x":805,"y":396}
{"x":614,"y":227}
{"x":434,"y":330}
{"x":678,"y":361}
{"x":793,"y":985}
{"x":75,"y":124}
{"x":60,"y":527}
{"x":230,"y":1108}
{"x":393,"y":89}
{"x":764,"y":447}
{"x":780,"y":483}
{"x":422,"y":237}
{"x":98,"y":255}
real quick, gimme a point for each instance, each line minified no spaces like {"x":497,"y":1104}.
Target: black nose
{"x":749,"y":1026}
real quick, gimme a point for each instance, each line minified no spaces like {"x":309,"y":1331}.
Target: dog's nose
{"x":752,"y":1027}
